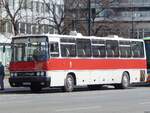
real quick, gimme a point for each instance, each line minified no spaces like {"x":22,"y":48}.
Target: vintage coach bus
{"x":67,"y":61}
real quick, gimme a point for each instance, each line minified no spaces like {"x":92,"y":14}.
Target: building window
{"x":4,"y":26}
{"x":9,"y":27}
{"x":34,"y":29}
{"x":25,"y":4}
{"x":32,"y":8}
{"x":37,"y":6}
{"x":28,"y":2}
{"x":40,"y":27}
{"x":45,"y":29}
{"x":42,"y":7}
{"x":22,"y":27}
{"x":28,"y":29}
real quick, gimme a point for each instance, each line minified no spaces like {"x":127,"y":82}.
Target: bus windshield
{"x":30,"y":49}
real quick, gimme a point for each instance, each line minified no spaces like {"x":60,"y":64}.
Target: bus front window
{"x":30,"y":51}
{"x":38,"y":51}
{"x":18,"y":52}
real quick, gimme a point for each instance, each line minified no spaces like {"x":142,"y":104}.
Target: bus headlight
{"x":11,"y":74}
{"x":38,"y":73}
{"x":42,"y":73}
{"x":15,"y":74}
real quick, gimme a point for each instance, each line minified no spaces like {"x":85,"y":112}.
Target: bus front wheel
{"x":69,"y":83}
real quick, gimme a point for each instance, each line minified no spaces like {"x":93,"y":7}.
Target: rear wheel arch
{"x":126,"y":73}
{"x":125,"y":81}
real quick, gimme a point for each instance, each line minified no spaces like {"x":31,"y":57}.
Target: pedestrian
{"x":2,"y":74}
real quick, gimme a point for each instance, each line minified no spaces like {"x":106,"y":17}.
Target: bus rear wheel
{"x":69,"y":83}
{"x":125,"y":82}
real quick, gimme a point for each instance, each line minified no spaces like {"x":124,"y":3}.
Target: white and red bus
{"x":67,"y":61}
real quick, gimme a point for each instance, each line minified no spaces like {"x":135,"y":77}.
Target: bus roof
{"x":110,"y":37}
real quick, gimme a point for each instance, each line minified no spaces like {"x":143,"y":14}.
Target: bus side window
{"x":68,"y":50}
{"x":125,"y":49}
{"x":54,"y":49}
{"x":98,"y":51}
{"x":137,"y":49}
{"x":112,"y":48}
{"x":98,"y":48}
{"x":84,"y":47}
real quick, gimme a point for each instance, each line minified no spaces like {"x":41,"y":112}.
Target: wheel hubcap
{"x":125,"y":81}
{"x":70,"y":83}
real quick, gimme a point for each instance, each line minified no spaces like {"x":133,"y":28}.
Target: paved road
{"x":107,"y":100}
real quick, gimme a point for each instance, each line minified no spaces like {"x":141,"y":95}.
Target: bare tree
{"x":79,"y":12}
{"x":102,"y":19}
{"x":13,"y":15}
{"x":76,"y":13}
{"x":58,"y":14}
{"x":55,"y":15}
{"x":106,"y":23}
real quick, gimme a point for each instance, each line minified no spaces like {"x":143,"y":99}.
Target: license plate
{"x":26,"y":83}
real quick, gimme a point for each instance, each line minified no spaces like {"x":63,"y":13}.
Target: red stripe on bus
{"x":79,"y":64}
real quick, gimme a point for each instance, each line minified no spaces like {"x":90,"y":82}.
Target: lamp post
{"x":132,"y":20}
{"x":89,"y":17}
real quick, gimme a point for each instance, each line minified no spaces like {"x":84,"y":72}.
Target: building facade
{"x":135,"y":14}
{"x":127,"y":18}
{"x":32,"y":17}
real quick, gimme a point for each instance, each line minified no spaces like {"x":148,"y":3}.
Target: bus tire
{"x":125,"y":82}
{"x":69,"y":83}
{"x":35,"y":88}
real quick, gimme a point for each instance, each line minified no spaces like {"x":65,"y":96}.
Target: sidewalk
{"x":6,"y":86}
{"x":12,"y":90}
{"x":6,"y":83}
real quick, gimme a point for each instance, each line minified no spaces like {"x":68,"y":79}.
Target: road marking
{"x":79,"y":108}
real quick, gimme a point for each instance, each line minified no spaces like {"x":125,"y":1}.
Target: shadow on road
{"x":141,"y":85}
{"x":54,"y":90}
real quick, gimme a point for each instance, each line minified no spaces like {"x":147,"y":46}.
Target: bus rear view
{"x":28,"y":63}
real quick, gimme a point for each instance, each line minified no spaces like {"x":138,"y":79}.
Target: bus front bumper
{"x":29,"y":81}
